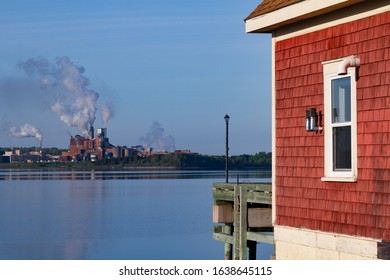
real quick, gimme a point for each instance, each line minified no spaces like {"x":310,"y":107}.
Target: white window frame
{"x":330,"y":69}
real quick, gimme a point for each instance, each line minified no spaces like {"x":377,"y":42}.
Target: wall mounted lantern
{"x":312,"y":120}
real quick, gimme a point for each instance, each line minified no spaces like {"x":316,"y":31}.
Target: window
{"x":340,"y":124}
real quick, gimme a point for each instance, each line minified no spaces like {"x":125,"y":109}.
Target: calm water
{"x":111,"y":215}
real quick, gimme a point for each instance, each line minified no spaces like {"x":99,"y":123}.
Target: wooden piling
{"x":252,"y":249}
{"x":240,"y":222}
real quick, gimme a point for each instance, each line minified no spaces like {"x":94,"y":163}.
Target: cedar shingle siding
{"x":303,"y":200}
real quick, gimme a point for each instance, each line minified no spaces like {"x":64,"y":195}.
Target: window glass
{"x":342,"y":148}
{"x":341,"y":100}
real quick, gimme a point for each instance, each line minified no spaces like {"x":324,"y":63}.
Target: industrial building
{"x":86,"y":148}
{"x":93,"y":148}
{"x":17,"y":156}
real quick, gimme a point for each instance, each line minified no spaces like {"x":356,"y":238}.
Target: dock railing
{"x":242,"y":217}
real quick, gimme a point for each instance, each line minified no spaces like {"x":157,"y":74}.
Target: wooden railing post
{"x":240,"y":222}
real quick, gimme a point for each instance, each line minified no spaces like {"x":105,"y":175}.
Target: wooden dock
{"x":242,"y":217}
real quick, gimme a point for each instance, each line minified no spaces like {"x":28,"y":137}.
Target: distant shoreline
{"x":86,"y":167}
{"x":259,"y":161}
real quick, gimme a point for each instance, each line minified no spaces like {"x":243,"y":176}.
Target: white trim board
{"x":304,"y":25}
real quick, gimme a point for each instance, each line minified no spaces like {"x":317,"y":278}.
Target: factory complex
{"x":92,"y":148}
{"x":86,"y":148}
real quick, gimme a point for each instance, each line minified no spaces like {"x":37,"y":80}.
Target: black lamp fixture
{"x":312,"y":120}
{"x":227,"y":118}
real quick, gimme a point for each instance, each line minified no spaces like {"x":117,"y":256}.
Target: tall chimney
{"x":40,"y":151}
{"x":91,"y":133}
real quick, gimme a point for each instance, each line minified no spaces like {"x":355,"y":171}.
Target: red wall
{"x":303,"y":200}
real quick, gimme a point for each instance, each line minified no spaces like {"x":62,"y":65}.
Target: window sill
{"x":339,"y":179}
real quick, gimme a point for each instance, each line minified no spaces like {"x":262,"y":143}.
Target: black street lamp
{"x":227,"y":118}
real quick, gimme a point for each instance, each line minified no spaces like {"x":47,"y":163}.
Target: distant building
{"x":82,"y":148}
{"x":183,"y":152}
{"x":5,"y":159}
{"x":93,"y":148}
{"x":121,"y":151}
{"x":149,"y":152}
{"x":17,"y":156}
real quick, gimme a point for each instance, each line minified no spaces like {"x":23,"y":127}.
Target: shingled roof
{"x":268,"y":6}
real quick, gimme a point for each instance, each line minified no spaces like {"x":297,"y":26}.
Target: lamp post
{"x":227,"y":118}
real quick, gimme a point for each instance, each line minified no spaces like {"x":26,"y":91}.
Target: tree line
{"x":261,"y":160}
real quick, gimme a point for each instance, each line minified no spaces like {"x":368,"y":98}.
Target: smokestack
{"x":40,"y":150}
{"x":91,"y":133}
{"x":102,"y":132}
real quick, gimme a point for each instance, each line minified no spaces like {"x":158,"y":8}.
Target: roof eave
{"x":266,"y":23}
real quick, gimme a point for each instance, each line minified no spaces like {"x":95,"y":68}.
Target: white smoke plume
{"x":155,"y":139}
{"x":26,"y":130}
{"x":74,"y":103}
{"x":107,"y":112}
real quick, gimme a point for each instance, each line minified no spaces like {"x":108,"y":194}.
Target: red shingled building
{"x":331,"y":177}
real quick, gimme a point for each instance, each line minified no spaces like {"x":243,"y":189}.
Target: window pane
{"x":342,"y":148}
{"x":341,"y":100}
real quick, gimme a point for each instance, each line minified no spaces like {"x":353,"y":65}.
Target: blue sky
{"x":183,"y":64}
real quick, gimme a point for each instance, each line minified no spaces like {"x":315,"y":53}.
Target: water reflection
{"x":51,"y":220}
{"x":36,"y":174}
{"x":101,"y":215}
